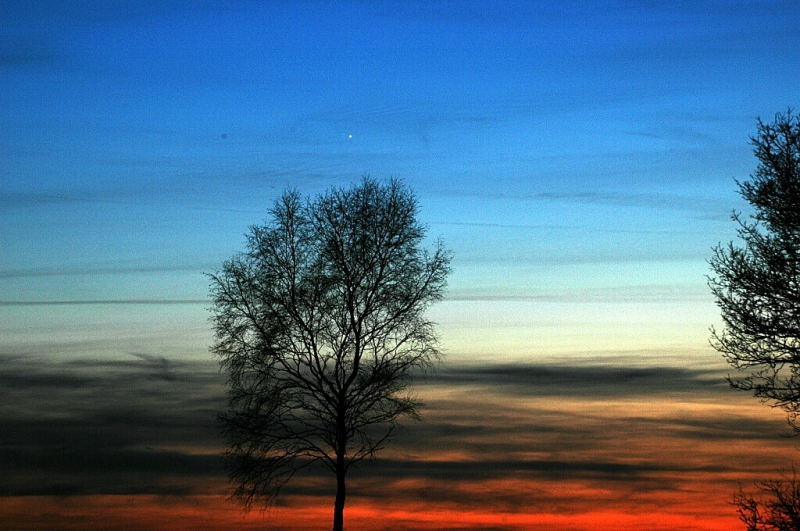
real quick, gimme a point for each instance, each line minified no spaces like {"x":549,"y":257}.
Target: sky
{"x":578,"y":158}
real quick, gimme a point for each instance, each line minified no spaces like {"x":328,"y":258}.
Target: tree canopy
{"x":320,"y":326}
{"x":775,"y":508}
{"x":757,"y":283}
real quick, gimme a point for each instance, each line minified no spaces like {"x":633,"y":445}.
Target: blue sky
{"x":146,"y":137}
{"x":563,"y":150}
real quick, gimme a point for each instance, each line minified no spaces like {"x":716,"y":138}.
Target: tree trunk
{"x":341,"y":469}
{"x":341,"y":494}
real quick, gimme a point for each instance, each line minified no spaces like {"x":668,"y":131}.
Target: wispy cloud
{"x":37,"y":199}
{"x":576,"y":380}
{"x":656,"y":201}
{"x":701,"y":207}
{"x":682,"y":134}
{"x":109,"y":425}
{"x":634,"y":293}
{"x":454,"y":470}
{"x":640,"y":293}
{"x":582,"y":228}
{"x":109,"y":270}
{"x":146,"y":424}
{"x":103,"y":302}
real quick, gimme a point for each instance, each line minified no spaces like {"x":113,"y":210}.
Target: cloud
{"x":160,"y":364}
{"x":552,"y":469}
{"x":621,"y":294}
{"x":579,"y":381}
{"x":683,"y":134}
{"x":640,"y":293}
{"x":147,"y":424}
{"x":110,"y":270}
{"x":103,"y":302}
{"x":548,"y":228}
{"x":702,"y":207}
{"x":146,"y":394}
{"x":89,"y":470}
{"x":109,"y":425}
{"x":704,"y":429}
{"x":505,"y":484}
{"x":149,"y":198}
{"x":661,"y":201}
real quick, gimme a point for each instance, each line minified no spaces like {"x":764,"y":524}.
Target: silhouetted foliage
{"x":320,"y":327}
{"x":757,"y":285}
{"x":776,"y":509}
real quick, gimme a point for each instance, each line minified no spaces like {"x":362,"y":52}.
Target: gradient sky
{"x":578,"y":158}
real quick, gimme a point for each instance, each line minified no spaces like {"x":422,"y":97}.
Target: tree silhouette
{"x":777,"y":509}
{"x":320,"y":327}
{"x":757,"y":285}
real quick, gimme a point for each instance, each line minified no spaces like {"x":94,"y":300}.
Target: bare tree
{"x":757,"y":285}
{"x":320,"y":326}
{"x":776,"y":509}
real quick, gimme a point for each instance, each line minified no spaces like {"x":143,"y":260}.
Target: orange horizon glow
{"x":216,"y":512}
{"x":667,"y":478}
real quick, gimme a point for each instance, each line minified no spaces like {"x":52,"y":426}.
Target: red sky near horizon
{"x":507,"y":446}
